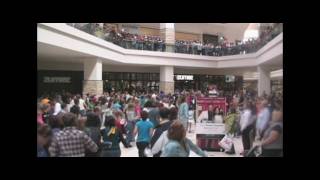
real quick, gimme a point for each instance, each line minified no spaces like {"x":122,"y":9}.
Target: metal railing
{"x":155,"y":43}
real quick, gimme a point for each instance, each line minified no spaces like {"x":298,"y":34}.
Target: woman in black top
{"x":111,"y":138}
{"x":92,"y":129}
{"x":167,"y":116}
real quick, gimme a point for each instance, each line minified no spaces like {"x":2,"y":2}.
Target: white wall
{"x":278,"y":74}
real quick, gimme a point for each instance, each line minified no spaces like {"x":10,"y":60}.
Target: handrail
{"x":154,"y":43}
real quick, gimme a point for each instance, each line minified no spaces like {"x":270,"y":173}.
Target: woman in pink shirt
{"x":39,"y":116}
{"x":137,"y":108}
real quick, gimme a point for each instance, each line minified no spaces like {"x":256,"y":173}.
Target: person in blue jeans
{"x":144,"y":128}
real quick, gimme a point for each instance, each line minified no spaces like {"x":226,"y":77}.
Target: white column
{"x":264,"y":81}
{"x":166,"y":79}
{"x":92,"y":76}
{"x":92,"y":69}
{"x":167,"y":32}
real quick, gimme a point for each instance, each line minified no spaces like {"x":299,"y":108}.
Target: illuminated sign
{"x":230,"y":78}
{"x":184,"y":77}
{"x":57,"y":79}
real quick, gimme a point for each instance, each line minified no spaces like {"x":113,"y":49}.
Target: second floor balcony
{"x":155,"y":43}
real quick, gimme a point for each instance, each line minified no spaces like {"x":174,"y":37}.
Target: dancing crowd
{"x":90,"y":125}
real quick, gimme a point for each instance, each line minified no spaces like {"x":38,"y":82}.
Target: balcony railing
{"x":155,"y":43}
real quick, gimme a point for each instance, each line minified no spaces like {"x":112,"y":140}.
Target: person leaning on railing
{"x":154,"y":43}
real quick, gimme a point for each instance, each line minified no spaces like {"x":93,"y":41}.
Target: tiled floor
{"x":133,"y":151}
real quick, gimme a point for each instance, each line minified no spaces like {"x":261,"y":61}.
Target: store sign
{"x":56,"y":79}
{"x":210,"y":128}
{"x":184,"y":77}
{"x":230,"y":78}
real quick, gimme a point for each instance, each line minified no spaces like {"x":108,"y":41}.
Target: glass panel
{"x":133,"y":76}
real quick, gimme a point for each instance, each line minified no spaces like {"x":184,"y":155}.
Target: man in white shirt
{"x":213,"y":93}
{"x":57,"y":108}
{"x":209,"y":115}
{"x":82,"y":106}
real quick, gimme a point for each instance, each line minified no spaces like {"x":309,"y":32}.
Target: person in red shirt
{"x":120,"y":121}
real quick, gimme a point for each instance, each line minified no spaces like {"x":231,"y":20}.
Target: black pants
{"x":141,"y":146}
{"x":271,"y":153}
{"x":246,"y":137}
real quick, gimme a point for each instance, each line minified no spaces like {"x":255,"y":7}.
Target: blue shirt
{"x":262,"y":120}
{"x":183,"y":112}
{"x":144,"y":130}
{"x":174,"y":149}
{"x":116,"y":106}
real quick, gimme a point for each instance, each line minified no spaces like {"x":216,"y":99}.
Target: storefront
{"x":277,"y":86}
{"x":72,"y":81}
{"x":58,"y":81}
{"x":228,"y":84}
{"x":128,"y":81}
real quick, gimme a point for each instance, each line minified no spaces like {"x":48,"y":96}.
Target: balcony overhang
{"x":60,"y":35}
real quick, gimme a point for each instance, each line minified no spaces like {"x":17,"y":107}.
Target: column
{"x":166,"y":79}
{"x":167,"y":33}
{"x":93,"y":83}
{"x":264,"y":81}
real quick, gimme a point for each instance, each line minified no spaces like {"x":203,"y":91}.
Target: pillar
{"x":167,"y":33}
{"x":264,"y":81}
{"x":93,"y":83}
{"x":166,"y":79}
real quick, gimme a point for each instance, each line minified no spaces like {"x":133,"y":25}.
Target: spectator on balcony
{"x":199,"y":48}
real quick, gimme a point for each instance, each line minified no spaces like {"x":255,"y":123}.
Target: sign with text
{"x":184,"y":77}
{"x":204,"y":102}
{"x":210,"y":128}
{"x":56,"y":79}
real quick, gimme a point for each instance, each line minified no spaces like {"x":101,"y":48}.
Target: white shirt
{"x":160,"y":143}
{"x":213,"y":93}
{"x":71,"y":103}
{"x":202,"y":116}
{"x":57,"y":108}
{"x":81,"y":104}
{"x":69,"y":107}
{"x":218,"y":119}
{"x":154,"y":96}
{"x":246,"y":119}
{"x":166,"y":105}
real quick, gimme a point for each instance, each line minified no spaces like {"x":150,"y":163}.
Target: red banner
{"x":219,"y":102}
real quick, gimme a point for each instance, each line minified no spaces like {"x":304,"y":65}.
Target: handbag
{"x":226,"y":143}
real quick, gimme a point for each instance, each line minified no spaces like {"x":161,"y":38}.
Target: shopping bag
{"x":226,"y":143}
{"x":148,"y":152}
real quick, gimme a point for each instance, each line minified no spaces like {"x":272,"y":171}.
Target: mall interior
{"x":85,"y":58}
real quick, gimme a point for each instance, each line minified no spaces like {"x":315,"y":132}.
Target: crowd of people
{"x":155,"y":43}
{"x":91,"y":125}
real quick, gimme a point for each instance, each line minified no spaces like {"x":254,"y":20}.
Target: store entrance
{"x":130,"y":81}
{"x":184,"y":82}
{"x":184,"y":85}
